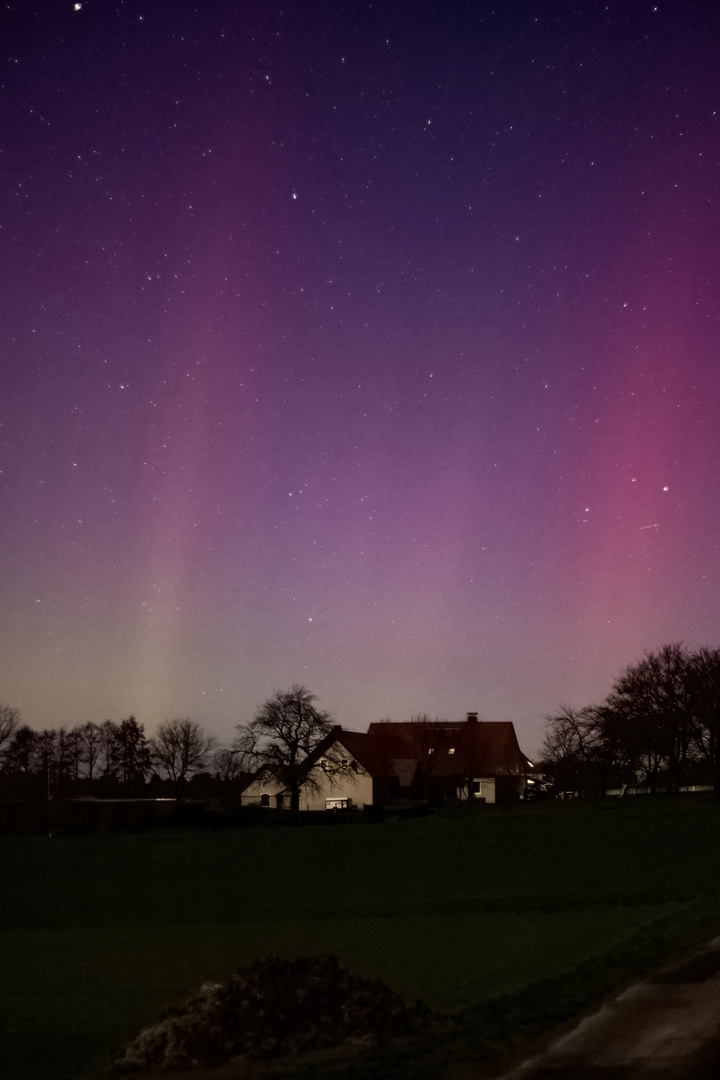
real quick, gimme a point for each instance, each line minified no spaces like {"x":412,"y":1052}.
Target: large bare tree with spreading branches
{"x":181,"y":748}
{"x":287,"y":728}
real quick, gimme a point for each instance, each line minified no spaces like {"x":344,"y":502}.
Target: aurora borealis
{"x":372,"y":347}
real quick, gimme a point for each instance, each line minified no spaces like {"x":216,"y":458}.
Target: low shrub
{"x":272,"y":1008}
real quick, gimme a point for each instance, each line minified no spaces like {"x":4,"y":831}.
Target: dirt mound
{"x":271,"y":1008}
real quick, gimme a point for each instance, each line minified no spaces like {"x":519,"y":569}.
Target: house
{"x":337,"y":775}
{"x":449,"y":755}
{"x":402,"y":763}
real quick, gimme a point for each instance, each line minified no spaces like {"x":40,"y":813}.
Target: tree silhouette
{"x":133,"y":749}
{"x":181,"y":748}
{"x":90,"y":749}
{"x":705,"y":691}
{"x":9,"y":724}
{"x":568,"y":747}
{"x":654,"y":699}
{"x":287,"y":728}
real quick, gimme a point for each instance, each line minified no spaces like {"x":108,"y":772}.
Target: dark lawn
{"x":516,"y":916}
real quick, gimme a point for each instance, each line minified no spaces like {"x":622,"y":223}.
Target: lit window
{"x":451,"y":750}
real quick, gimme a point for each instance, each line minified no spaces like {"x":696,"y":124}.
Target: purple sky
{"x":370,"y":347}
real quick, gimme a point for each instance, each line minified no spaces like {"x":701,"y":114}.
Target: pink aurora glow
{"x":373,"y":353}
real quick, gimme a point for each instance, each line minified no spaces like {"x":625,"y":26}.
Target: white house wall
{"x":346,"y":784}
{"x":486,"y":790}
{"x":354,"y":785}
{"x":253,"y":793}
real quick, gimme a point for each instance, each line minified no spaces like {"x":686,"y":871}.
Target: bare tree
{"x":661,"y":714}
{"x":608,"y":749}
{"x":181,"y":748}
{"x":47,"y":756}
{"x":134,"y":756}
{"x":21,"y":755}
{"x":67,"y":760}
{"x":228,"y":764}
{"x":569,"y":747}
{"x":705,"y":690}
{"x":655,"y":698}
{"x":287,"y":728}
{"x":109,"y":748}
{"x":9,"y":724}
{"x":90,"y":749}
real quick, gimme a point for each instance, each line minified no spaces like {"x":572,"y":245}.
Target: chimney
{"x":472,"y":718}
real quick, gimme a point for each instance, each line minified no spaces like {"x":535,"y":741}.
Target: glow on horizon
{"x":375,"y":357}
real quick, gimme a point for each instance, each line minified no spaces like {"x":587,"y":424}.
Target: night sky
{"x":373,"y":347}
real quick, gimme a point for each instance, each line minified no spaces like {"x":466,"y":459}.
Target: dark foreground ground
{"x":508,"y":923}
{"x":664,"y":1028}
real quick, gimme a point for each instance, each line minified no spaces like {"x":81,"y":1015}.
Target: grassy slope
{"x":100,"y":934}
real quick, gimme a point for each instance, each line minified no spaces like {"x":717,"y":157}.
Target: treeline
{"x":658,"y":729}
{"x":112,"y":760}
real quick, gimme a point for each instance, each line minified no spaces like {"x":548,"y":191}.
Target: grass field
{"x":509,"y":919}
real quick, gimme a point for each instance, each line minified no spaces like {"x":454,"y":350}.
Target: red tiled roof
{"x":487,"y":748}
{"x":491,"y":747}
{"x":375,"y":753}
